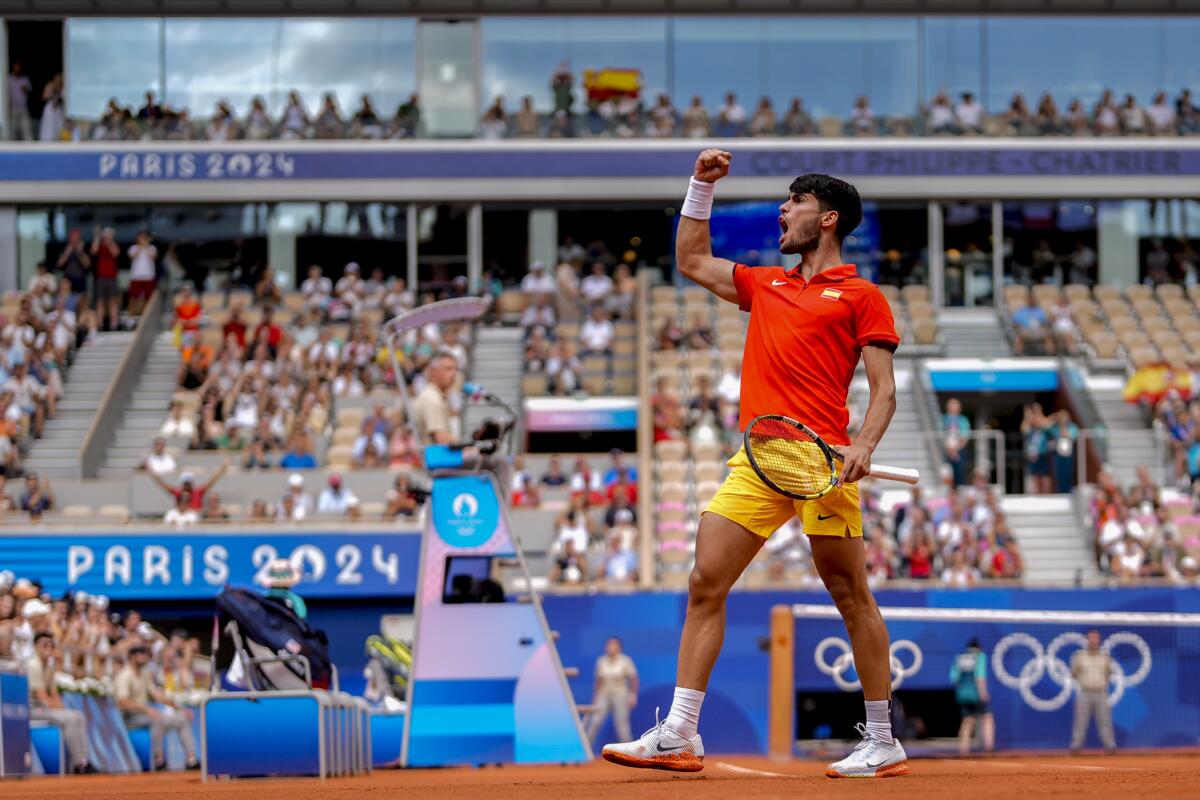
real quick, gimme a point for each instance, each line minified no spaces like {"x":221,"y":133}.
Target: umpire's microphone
{"x":476,"y":391}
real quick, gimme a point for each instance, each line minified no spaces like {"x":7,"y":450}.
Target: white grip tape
{"x":901,"y":474}
{"x":699,"y":200}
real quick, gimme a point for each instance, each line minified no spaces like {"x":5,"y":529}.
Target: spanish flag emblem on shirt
{"x":831,"y":294}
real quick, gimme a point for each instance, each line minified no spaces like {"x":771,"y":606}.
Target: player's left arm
{"x":882,"y":381}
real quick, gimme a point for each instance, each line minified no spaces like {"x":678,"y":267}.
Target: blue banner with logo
{"x":175,"y":565}
{"x":160,"y":162}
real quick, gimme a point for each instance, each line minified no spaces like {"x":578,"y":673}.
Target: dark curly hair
{"x":833,"y":194}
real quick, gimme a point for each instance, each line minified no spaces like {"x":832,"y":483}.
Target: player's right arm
{"x":693,"y":244}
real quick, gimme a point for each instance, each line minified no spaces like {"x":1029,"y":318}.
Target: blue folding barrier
{"x":108,"y":741}
{"x":319,"y":733}
{"x":387,"y":737}
{"x":50,"y":747}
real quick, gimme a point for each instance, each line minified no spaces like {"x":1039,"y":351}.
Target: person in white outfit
{"x":616,"y":691}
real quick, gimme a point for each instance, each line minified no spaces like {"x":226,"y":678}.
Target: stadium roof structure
{"x":59,"y":8}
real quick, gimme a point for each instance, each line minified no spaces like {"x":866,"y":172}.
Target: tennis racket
{"x":797,"y":463}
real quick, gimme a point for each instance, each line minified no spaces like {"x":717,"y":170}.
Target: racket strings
{"x":789,"y":458}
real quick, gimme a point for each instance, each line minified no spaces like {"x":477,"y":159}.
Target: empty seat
{"x":1077,"y":291}
{"x":117,"y":512}
{"x":345,"y":435}
{"x":672,"y":471}
{"x":672,"y":492}
{"x":75,"y":511}
{"x":340,"y":456}
{"x":350,"y":417}
{"x":915,"y":292}
{"x":1138,"y":291}
{"x":707,"y":451}
{"x":708,"y":471}
{"x":1104,"y":344}
{"x":534,"y":384}
{"x":1167,"y":291}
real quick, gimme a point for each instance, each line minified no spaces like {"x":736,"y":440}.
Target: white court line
{"x":1019,"y":765}
{"x":747,"y":771}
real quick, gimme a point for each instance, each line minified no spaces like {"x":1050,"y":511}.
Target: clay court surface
{"x":1157,"y":776}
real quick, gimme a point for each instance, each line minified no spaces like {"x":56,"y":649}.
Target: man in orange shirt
{"x":808,"y":328}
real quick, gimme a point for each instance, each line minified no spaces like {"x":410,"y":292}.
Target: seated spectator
{"x":494,"y":124}
{"x":401,"y":499}
{"x":187,"y":485}
{"x":960,"y":574}
{"x":731,"y":117}
{"x":620,"y":563}
{"x":1017,"y":117}
{"x":181,"y":515}
{"x":1107,"y":115}
{"x":178,"y":424}
{"x":537,"y":350}
{"x":335,"y":499}
{"x":236,"y":437}
{"x":939,"y":118}
{"x":575,"y":525}
{"x":764,"y":122}
{"x":862,"y":118}
{"x":134,"y":691}
{"x":188,"y":312}
{"x":619,"y":471}
{"x":1160,"y":116}
{"x":670,"y":335}
{"x":260,"y":511}
{"x":587,"y":483}
{"x":695,"y":119}
{"x":553,"y":476}
{"x":214,"y":511}
{"x":371,"y":445}
{"x":968,"y":114}
{"x":596,"y":334}
{"x":193,"y":372}
{"x":537,"y":282}
{"x":524,"y":488}
{"x":37,"y":497}
{"x":160,"y":462}
{"x":563,"y":369}
{"x":597,"y":286}
{"x":620,"y":510}
{"x":797,"y":121}
{"x":570,"y":565}
{"x":403,"y":448}
{"x":1046,"y":119}
{"x":29,"y":396}
{"x":527,"y":124}
{"x":299,"y":454}
{"x":46,"y":705}
{"x":539,"y":313}
{"x":700,"y":333}
{"x":1187,"y":116}
{"x":300,"y":503}
{"x":919,"y":553}
{"x":1031,"y":326}
{"x":256,"y":456}
{"x":1133,"y":118}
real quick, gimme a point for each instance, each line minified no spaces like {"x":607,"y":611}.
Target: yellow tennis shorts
{"x":743,"y":498}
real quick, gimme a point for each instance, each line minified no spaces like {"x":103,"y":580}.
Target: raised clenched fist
{"x":712,"y":165}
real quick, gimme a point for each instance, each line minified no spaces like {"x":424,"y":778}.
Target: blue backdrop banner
{"x":579,"y":160}
{"x":174,"y":565}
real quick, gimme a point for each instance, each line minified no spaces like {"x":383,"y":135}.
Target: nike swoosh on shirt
{"x":778,"y":283}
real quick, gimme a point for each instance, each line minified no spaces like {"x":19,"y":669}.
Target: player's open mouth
{"x":783,"y":228}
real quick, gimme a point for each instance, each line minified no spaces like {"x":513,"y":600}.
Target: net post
{"x":781,"y":703}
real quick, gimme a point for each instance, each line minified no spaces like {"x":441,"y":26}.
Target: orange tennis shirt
{"x":804,"y":342}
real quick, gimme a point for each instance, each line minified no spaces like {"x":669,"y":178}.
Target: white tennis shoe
{"x":659,"y":748}
{"x":871,"y":758}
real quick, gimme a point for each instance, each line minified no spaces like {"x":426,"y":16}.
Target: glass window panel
{"x":953,"y":56}
{"x":968,"y":240}
{"x":1071,"y":57}
{"x":208,"y":60}
{"x":715,"y":56}
{"x":448,"y":78}
{"x":350,"y":57}
{"x":520,"y":55}
{"x":111,"y":58}
{"x":1182,"y":67}
{"x":830,"y":61}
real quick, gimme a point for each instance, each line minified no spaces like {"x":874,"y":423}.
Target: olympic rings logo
{"x":842,"y":664}
{"x":1045,"y":662}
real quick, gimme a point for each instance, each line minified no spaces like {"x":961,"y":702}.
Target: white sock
{"x":879,"y":720}
{"x":685,"y":712}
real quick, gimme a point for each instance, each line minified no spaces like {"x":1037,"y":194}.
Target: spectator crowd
{"x":1145,"y":530}
{"x":74,"y":644}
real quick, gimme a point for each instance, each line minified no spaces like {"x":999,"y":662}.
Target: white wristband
{"x":699,"y":200}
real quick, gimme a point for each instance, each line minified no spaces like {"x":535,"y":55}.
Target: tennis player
{"x":808,"y":328}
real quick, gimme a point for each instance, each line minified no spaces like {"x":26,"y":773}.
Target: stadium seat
{"x":706,"y":490}
{"x":708,"y":471}
{"x":350,"y":418}
{"x":340,"y":457}
{"x":624,"y":385}
{"x":672,"y":514}
{"x":1106,"y":292}
{"x":707,"y":451}
{"x":1138,"y":291}
{"x":662,"y":293}
{"x":915,"y":292}
{"x":670,"y":450}
{"x":672,"y":492}
{"x":534,"y":385}
{"x":76,"y":511}
{"x":672,"y":470}
{"x":1077,"y":291}
{"x":345,"y":435}
{"x":117,"y":512}
{"x":1169,"y":291}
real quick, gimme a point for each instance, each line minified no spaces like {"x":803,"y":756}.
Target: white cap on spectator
{"x":145,"y":631}
{"x":186,"y":477}
{"x":537,"y":265}
{"x":295,"y":480}
{"x":6,"y":579}
{"x":352,"y":267}
{"x":100,"y":601}
{"x":1189,"y":564}
{"x":35,"y":608}
{"x":81,"y":598}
